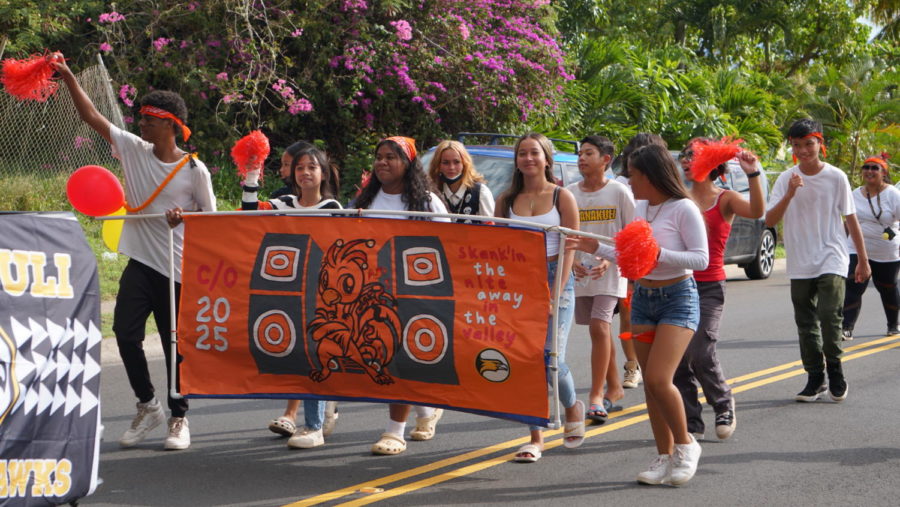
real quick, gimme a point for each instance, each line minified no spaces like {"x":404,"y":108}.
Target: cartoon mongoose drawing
{"x":355,"y":319}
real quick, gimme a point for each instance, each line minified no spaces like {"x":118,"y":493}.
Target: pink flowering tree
{"x":345,"y":72}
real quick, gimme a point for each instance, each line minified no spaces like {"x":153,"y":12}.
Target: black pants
{"x":142,"y":291}
{"x":884,"y":276}
{"x":700,"y":363}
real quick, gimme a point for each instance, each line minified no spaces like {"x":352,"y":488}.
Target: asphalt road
{"x":782,"y":453}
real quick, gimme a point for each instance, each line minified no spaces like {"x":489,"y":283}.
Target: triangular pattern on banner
{"x":40,"y":334}
{"x":79,"y":337}
{"x":91,"y":368}
{"x":62,"y":364}
{"x":57,"y":333}
{"x":31,"y":400}
{"x":72,"y":400}
{"x":94,"y":335}
{"x":76,"y":368}
{"x":88,"y":400}
{"x":45,"y":398}
{"x":59,"y":399}
{"x":48,"y":371}
{"x":20,"y":332}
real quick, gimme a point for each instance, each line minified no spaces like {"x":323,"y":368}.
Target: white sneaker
{"x":633,"y":377}
{"x":306,"y":439}
{"x":331,"y":417}
{"x":179,"y":434}
{"x":684,"y":462}
{"x":149,"y":415}
{"x":659,"y":471}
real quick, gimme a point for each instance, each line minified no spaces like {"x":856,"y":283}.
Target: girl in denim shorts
{"x":665,"y":305}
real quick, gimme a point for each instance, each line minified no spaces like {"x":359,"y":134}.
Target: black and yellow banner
{"x":49,"y":360}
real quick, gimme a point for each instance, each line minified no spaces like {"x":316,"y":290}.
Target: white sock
{"x":395,"y":428}
{"x":424,"y":411}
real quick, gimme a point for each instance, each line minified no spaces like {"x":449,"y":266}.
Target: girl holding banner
{"x":460,"y":184}
{"x":399,"y":183}
{"x":665,"y":305}
{"x":534,"y":196}
{"x":314,"y":183}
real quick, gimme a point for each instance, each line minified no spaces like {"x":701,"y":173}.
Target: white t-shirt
{"x":680,"y":232}
{"x":605,"y":212}
{"x":394,"y":202}
{"x":147,"y":240}
{"x":887,"y":205}
{"x":813,"y":222}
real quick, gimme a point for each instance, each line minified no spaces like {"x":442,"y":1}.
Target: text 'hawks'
{"x":52,"y":478}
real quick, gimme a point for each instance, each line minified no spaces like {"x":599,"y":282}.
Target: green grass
{"x":779,"y":252}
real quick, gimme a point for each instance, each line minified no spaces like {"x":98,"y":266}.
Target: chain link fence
{"x":48,"y":138}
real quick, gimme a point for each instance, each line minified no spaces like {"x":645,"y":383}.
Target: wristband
{"x":753,"y":174}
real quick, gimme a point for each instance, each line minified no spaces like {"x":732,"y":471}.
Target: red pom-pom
{"x":637,"y":250}
{"x":30,"y":78}
{"x":708,"y":156}
{"x":250,"y":151}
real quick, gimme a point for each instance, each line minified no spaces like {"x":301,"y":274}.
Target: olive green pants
{"x":818,"y":305}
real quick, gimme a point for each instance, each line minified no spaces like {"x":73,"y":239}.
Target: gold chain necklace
{"x":658,"y":210}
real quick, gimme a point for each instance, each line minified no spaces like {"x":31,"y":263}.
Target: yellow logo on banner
{"x":16,"y":278}
{"x":51,"y":477}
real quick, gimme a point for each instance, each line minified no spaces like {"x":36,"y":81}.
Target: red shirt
{"x":717,"y":231}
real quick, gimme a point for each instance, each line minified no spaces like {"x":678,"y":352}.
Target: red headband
{"x":162,"y":113}
{"x":407,"y":144}
{"x":880,"y":161}
{"x":821,"y":144}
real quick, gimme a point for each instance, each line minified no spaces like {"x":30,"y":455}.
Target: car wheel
{"x":761,"y":266}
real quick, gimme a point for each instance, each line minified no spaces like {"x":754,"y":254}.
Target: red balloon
{"x":95,"y":191}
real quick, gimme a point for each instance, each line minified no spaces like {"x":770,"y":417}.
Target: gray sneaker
{"x":149,"y":415}
{"x":179,"y":434}
{"x":331,"y":417}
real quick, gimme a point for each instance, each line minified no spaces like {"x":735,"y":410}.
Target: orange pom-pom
{"x":30,"y":78}
{"x":636,"y":249}
{"x":708,"y":156}
{"x":250,"y":151}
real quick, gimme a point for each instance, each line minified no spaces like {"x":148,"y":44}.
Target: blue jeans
{"x":313,"y":413}
{"x":565,"y":314}
{"x":677,"y":304}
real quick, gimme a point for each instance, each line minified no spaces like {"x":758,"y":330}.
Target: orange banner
{"x":370,"y":309}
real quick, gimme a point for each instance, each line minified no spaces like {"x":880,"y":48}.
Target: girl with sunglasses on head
{"x":665,"y":305}
{"x":878,"y":210}
{"x":460,"y":185}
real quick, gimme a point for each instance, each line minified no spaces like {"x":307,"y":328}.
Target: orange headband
{"x":880,"y":161}
{"x":407,"y":144}
{"x":821,"y":144}
{"x":162,"y":113}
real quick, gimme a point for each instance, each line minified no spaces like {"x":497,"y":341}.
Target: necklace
{"x":650,"y":220}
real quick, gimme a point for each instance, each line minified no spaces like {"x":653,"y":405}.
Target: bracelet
{"x":753,"y":175}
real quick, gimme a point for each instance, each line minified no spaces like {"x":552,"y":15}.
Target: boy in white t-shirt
{"x":147,"y":162}
{"x":604,"y":207}
{"x":813,"y":197}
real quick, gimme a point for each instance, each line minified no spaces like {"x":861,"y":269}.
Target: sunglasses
{"x":871,"y":167}
{"x":686,"y":155}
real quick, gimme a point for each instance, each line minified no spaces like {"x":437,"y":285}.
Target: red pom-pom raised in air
{"x":95,"y":191}
{"x":250,"y":151}
{"x":30,"y":78}
{"x":708,"y":156}
{"x":636,"y":250}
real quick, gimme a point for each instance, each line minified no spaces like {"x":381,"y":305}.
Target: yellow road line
{"x":870,"y":346}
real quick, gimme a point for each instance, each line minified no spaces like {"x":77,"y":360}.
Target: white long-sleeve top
{"x":679,"y":230}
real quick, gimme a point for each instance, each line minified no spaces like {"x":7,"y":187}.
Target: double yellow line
{"x":627,"y":417}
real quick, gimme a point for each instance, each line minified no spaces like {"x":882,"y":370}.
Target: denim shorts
{"x":677,"y":304}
